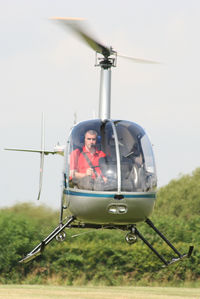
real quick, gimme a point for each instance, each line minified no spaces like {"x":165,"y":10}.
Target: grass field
{"x":51,"y":292}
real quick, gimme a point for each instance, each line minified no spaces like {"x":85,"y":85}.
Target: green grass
{"x":55,"y":292}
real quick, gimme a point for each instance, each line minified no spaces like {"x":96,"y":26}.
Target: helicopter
{"x":109,"y":175}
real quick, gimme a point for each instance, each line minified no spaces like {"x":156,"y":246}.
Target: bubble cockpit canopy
{"x":121,"y":158}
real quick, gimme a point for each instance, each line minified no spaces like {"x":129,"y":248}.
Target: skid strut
{"x":166,"y":263}
{"x":40,"y":247}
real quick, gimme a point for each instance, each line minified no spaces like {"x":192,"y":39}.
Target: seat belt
{"x":90,"y":163}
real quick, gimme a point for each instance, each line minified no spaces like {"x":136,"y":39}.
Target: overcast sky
{"x":46,"y":69}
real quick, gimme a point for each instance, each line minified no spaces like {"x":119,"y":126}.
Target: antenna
{"x":75,"y":118}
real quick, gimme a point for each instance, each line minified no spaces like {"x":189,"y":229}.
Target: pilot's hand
{"x":89,"y":172}
{"x":104,"y":179}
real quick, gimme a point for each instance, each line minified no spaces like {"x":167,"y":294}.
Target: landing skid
{"x":40,"y":247}
{"x":173,"y":260}
{"x":131,"y":238}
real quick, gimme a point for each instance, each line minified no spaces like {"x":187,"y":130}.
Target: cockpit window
{"x":92,"y":161}
{"x":148,"y":154}
{"x":131,"y":156}
{"x":110,"y":156}
{"x":149,"y":163}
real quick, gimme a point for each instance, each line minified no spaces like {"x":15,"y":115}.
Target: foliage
{"x":103,"y":257}
{"x":181,"y":197}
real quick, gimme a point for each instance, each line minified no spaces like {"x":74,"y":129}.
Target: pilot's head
{"x":90,"y":139}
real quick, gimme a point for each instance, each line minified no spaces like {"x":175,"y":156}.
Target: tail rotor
{"x":42,"y":152}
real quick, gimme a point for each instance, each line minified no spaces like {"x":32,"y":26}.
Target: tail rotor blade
{"x":41,"y":157}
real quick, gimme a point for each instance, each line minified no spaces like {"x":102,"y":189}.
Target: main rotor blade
{"x":76,"y":25}
{"x":138,"y":60}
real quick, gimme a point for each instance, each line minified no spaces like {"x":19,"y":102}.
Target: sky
{"x":45,"y":69}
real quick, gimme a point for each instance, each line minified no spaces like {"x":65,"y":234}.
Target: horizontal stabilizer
{"x":59,"y":151}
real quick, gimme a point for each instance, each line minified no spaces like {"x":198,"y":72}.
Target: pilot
{"x":84,"y":163}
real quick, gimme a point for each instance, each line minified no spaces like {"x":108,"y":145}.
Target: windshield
{"x":110,"y":156}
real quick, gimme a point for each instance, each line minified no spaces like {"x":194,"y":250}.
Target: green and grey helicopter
{"x":109,"y":177}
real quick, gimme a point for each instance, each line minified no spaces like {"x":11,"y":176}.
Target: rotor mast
{"x":105,"y":89}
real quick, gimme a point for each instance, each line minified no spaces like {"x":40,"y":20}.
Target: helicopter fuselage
{"x":128,"y":195}
{"x":108,"y":208}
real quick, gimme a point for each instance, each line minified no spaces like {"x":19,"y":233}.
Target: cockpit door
{"x":135,"y":159}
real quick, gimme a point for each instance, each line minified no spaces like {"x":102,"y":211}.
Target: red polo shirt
{"x":79,"y":163}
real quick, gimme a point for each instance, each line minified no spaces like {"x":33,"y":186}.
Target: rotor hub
{"x":106,"y":62}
